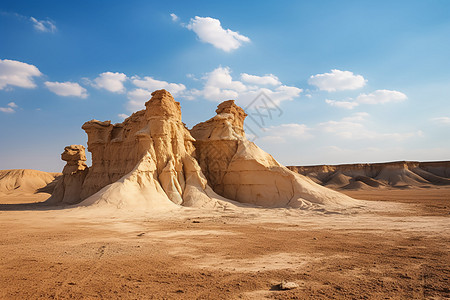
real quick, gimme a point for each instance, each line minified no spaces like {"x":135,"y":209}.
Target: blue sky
{"x":348,"y":81}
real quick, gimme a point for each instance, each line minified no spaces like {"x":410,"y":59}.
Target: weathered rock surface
{"x":152,"y":160}
{"x":399,"y":174}
{"x":287,"y":285}
{"x":68,"y":188}
{"x":145,"y":161}
{"x":237,"y":169}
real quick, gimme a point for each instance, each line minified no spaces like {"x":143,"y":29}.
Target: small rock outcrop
{"x":68,"y":188}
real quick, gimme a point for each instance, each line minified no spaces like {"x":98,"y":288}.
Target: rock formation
{"x":399,"y":174}
{"x":152,"y":160}
{"x":146,"y":160}
{"x":237,"y":169}
{"x":68,"y":188}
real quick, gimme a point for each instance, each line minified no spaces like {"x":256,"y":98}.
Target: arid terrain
{"x":394,"y":246}
{"x":165,"y":212}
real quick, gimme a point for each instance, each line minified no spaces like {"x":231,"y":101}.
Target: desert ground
{"x":394,"y":246}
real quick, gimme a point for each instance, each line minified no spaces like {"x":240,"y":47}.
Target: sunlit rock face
{"x":69,"y":186}
{"x":152,"y":144}
{"x":152,"y":159}
{"x":239,"y":170}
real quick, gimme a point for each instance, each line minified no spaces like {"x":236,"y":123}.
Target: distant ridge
{"x":364,"y":176}
{"x":27,"y":181}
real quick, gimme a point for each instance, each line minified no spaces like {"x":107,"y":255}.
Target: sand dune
{"x":26,"y":181}
{"x":403,"y":174}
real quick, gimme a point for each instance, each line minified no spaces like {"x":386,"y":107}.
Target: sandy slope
{"x":26,"y":186}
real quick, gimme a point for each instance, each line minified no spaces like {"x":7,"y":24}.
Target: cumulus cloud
{"x":110,"y":81}
{"x":10,"y":108}
{"x":209,"y":30}
{"x":43,"y":25}
{"x":174,"y":17}
{"x":152,"y":84}
{"x":342,"y":104}
{"x":67,"y":89}
{"x":377,"y":97}
{"x":123,"y":116}
{"x":16,"y":73}
{"x":146,"y":86}
{"x":269,"y":79}
{"x":219,"y":86}
{"x":337,"y":80}
{"x":381,"y":96}
{"x":137,"y":99}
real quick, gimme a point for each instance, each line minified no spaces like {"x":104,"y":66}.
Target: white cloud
{"x":146,"y":86}
{"x":342,"y":104}
{"x":442,"y":120}
{"x":16,"y":73}
{"x":67,"y":89}
{"x":123,"y":116}
{"x":174,"y":17}
{"x":269,"y":79}
{"x":357,"y":117}
{"x":11,"y":106}
{"x":43,"y":25}
{"x":377,"y":97}
{"x":110,"y":81}
{"x":210,"y":31}
{"x":137,"y":99}
{"x":352,"y":128}
{"x":151,"y":84}
{"x":284,"y":132}
{"x":381,"y":96}
{"x":220,"y":86}
{"x":337,"y":80}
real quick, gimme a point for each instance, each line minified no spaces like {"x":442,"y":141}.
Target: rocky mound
{"x":152,"y":160}
{"x":239,"y":170}
{"x":27,"y":181}
{"x":401,"y":174}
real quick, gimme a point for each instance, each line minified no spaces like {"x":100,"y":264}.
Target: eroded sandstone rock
{"x":152,"y":149}
{"x":152,"y":160}
{"x":68,"y":188}
{"x":237,"y":169}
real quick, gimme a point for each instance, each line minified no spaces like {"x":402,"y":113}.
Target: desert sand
{"x":170,"y":213}
{"x":395,"y":247}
